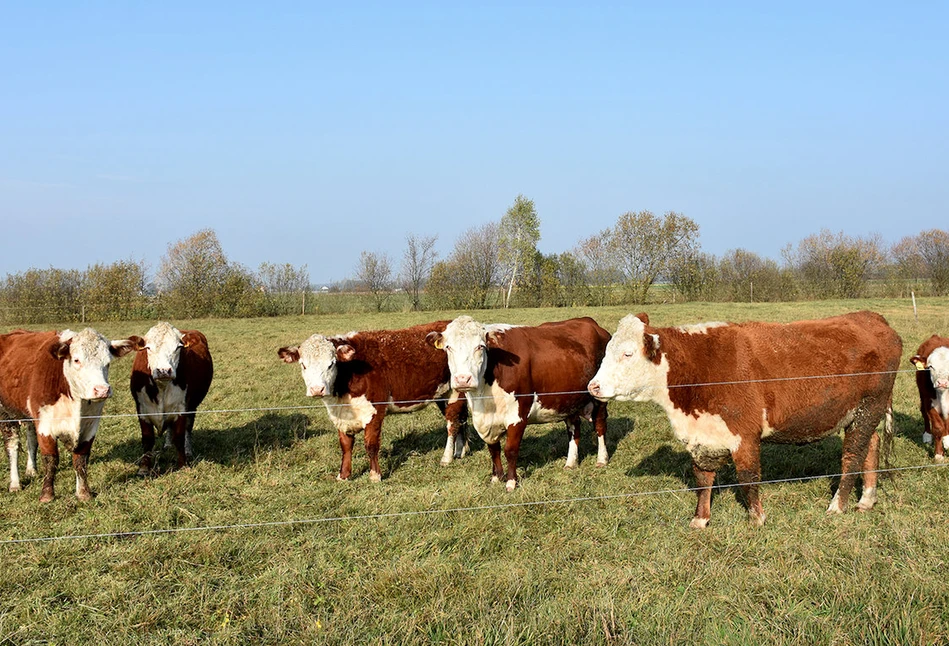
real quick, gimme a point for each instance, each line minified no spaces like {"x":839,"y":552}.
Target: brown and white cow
{"x":932,"y":381}
{"x":513,"y":376}
{"x":60,"y":381}
{"x":364,"y":375}
{"x":170,"y":377}
{"x":728,"y":387}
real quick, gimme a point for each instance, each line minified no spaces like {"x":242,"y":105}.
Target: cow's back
{"x":28,"y":371}
{"x":195,"y":368}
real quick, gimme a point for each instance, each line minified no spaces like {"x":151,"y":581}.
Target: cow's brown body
{"x":931,"y":406}
{"x":170,"y":406}
{"x":729,"y":387}
{"x":380,"y":372}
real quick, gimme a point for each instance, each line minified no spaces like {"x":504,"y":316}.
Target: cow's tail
{"x":886,"y":445}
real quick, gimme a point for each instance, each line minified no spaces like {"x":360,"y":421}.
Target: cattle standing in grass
{"x":728,"y":387}
{"x":60,"y":381}
{"x":519,"y":375}
{"x":170,"y":378}
{"x":932,"y":381}
{"x":364,"y":375}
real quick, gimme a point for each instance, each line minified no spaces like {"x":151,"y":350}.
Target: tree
{"x":465,"y":279}
{"x":113,"y":291}
{"x":283,"y":286}
{"x":646,"y":245}
{"x":417,"y":262}
{"x":933,"y":253}
{"x":835,"y":265}
{"x":519,"y":234}
{"x":694,"y":276}
{"x":193,"y":273}
{"x":600,"y":264}
{"x":375,"y":272}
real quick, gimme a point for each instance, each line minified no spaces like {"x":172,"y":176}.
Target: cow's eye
{"x":447,"y":348}
{"x":628,"y":355}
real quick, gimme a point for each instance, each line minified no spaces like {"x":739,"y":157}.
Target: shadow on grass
{"x":227,"y":446}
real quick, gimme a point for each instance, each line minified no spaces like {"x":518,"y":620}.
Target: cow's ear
{"x":436,"y":340}
{"x":345,"y":352}
{"x":642,"y":316}
{"x":494,"y":338}
{"x":60,"y":350}
{"x":290,"y":354}
{"x":189,"y":339}
{"x":651,"y":347}
{"x":121,"y":347}
{"x":919,"y":362}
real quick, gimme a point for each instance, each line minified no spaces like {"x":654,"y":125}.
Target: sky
{"x":306,"y":133}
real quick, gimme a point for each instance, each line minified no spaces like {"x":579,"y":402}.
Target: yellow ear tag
{"x":440,"y":344}
{"x":920,"y":365}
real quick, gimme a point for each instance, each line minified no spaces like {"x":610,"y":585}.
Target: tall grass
{"x":589,"y":569}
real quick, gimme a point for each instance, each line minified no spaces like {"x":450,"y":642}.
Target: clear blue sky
{"x":308,"y":132}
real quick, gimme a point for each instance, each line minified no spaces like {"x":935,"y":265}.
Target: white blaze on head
{"x":628,"y":371}
{"x":318,"y":358}
{"x":466,"y":343}
{"x":86,"y":357}
{"x":938,"y":364}
{"x":163,"y":344}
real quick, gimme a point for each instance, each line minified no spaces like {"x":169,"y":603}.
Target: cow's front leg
{"x":373,"y":439}
{"x":80,"y":464}
{"x":599,"y":423}
{"x":179,"y":436}
{"x":573,"y":442}
{"x":857,"y":441}
{"x":512,"y":447}
{"x":148,"y":445}
{"x":346,"y":442}
{"x":703,"y":509}
{"x":456,"y":414}
{"x":11,"y":439}
{"x":497,"y":469}
{"x":31,"y":445}
{"x":49,"y":449}
{"x":869,"y":496}
{"x":747,"y":460}
{"x":938,"y":429}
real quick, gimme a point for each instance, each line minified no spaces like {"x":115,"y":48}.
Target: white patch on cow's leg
{"x":867,"y":499}
{"x":31,"y":446}
{"x":449,"y":453}
{"x":168,"y":442}
{"x":375,"y":476}
{"x":495,"y":479}
{"x":573,"y":453}
{"x":835,"y":505}
{"x":511,"y":485}
{"x":189,"y":449}
{"x":939,"y":458}
{"x":461,"y":445}
{"x":927,"y":438}
{"x":756,"y":518}
{"x":602,"y":457}
{"x":698,"y":523}
{"x":945,"y":442}
{"x":13,"y":449}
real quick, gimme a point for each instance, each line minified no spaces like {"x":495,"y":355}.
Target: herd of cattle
{"x":725,"y":387}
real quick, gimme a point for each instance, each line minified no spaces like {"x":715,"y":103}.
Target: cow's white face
{"x":938,"y":364}
{"x":318,"y":358}
{"x":628,"y":371}
{"x":466,"y":343}
{"x":86,"y":356}
{"x":163,"y":343}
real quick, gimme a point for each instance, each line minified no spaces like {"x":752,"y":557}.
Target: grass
{"x":615,"y":570}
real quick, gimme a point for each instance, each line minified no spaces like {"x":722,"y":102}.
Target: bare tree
{"x":600,"y":263}
{"x":417,"y":262}
{"x":465,"y":279}
{"x":646,"y":245}
{"x":518,"y":236}
{"x":375,"y":273}
{"x":193,"y":273}
{"x":830,"y":264}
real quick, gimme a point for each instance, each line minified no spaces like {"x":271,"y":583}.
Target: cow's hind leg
{"x":747,"y":460}
{"x":148,"y":444}
{"x":50,"y":451}
{"x":856,"y":447}
{"x":497,"y":469}
{"x":31,"y":445}
{"x":703,"y":509}
{"x":11,"y":439}
{"x":80,"y":463}
{"x":573,"y":442}
{"x":346,"y":442}
{"x":869,"y":496}
{"x":373,"y":438}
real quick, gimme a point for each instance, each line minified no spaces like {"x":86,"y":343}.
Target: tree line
{"x":643,"y":257}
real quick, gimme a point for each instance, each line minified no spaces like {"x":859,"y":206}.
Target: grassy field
{"x":618,"y":570}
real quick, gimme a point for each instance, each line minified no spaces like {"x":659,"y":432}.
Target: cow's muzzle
{"x":316,"y":391}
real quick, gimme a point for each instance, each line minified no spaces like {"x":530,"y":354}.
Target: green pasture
{"x":607,"y":558}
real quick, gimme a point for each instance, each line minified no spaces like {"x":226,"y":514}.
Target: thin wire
{"x":430,"y":512}
{"x":416,"y":402}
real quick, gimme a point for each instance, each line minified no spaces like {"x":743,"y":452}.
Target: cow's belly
{"x":349,"y":414}
{"x":806,"y":429}
{"x":170,"y":404}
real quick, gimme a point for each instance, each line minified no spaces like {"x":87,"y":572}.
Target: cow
{"x":727,"y":387}
{"x":59,"y":381}
{"x":362,"y":376}
{"x":171,"y":376}
{"x":932,"y":381}
{"x":513,"y":376}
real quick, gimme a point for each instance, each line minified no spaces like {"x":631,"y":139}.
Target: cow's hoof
{"x":85,"y":496}
{"x":340,"y":478}
{"x":698,"y":523}
{"x":47,"y":497}
{"x":14,"y":488}
{"x":939,"y":458}
{"x":445,"y":462}
{"x":511,"y":485}
{"x":495,"y":479}
{"x":30,"y":473}
{"x":600,"y":465}
{"x":375,"y":477}
{"x":570,"y":465}
{"x":757,"y":521}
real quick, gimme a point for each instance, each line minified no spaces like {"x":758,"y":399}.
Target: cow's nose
{"x":463,"y":381}
{"x":101,"y":392}
{"x":164,"y":373}
{"x":316,"y":391}
{"x":594,"y":388}
{"x":942,"y":384}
